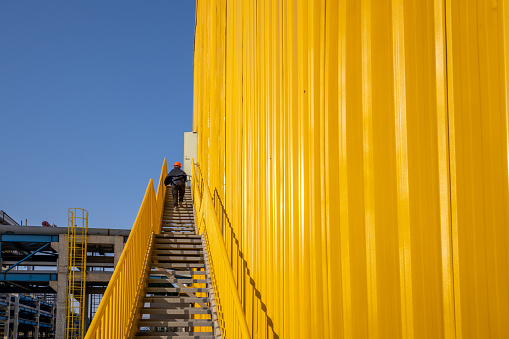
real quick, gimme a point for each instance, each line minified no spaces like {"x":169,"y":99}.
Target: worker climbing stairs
{"x":174,"y":278}
{"x":177,"y":300}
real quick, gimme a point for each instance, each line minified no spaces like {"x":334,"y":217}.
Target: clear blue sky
{"x":93,"y":95}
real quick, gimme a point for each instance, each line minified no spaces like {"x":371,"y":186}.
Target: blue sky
{"x":93,"y":95}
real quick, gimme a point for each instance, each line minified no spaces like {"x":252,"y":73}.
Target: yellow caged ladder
{"x":76,"y":273}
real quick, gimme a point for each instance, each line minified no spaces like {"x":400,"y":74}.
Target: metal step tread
{"x":164,"y":240}
{"x":177,"y":289}
{"x":177,"y":265}
{"x":167,"y":335}
{"x":177,"y":252}
{"x":176,"y":311}
{"x":178,"y":236}
{"x":176,"y":322}
{"x":176,"y":246}
{"x":175,"y":300}
{"x":176,"y":258}
{"x":180,"y":281}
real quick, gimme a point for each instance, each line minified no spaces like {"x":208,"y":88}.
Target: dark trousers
{"x":178,"y":190}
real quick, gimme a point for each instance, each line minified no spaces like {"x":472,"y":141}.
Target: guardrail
{"x":116,"y":315}
{"x":232,"y":319}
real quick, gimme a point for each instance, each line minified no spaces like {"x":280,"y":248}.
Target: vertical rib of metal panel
{"x":357,"y":154}
{"x":478,"y":136}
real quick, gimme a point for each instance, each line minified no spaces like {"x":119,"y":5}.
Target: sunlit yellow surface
{"x":357,"y":157}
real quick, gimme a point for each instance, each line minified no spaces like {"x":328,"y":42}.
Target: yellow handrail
{"x":115,"y":317}
{"x":232,"y":319}
{"x":160,"y":196}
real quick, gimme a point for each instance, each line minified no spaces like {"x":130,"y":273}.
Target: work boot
{"x":175,"y":208}
{"x":182,"y":204}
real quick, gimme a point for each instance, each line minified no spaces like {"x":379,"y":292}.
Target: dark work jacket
{"x":176,"y":175}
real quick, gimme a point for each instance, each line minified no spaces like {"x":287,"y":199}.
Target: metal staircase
{"x":178,"y":300}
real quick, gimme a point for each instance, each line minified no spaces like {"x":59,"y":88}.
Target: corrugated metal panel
{"x":477,"y":71}
{"x":357,"y":154}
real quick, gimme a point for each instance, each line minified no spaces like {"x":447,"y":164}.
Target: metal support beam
{"x":25,"y":258}
{"x":34,"y":276}
{"x":33,"y":238}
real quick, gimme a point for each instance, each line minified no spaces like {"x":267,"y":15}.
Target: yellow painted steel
{"x":116,"y":314}
{"x":357,"y":156}
{"x":232,"y":320}
{"x":77,"y":226}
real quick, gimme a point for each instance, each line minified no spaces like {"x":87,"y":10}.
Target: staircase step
{"x":177,"y":265}
{"x":191,"y":238}
{"x":178,"y":227}
{"x":175,"y":323}
{"x":171,"y":252}
{"x":168,"y":335}
{"x":176,"y":258}
{"x":175,"y":300}
{"x":173,"y":246}
{"x":176,"y":290}
{"x":179,"y":274}
{"x":181,"y":211}
{"x":171,"y":235}
{"x":176,"y":312}
{"x":183,"y":231}
{"x":180,"y":281}
{"x":160,"y":241}
{"x":178,"y":223}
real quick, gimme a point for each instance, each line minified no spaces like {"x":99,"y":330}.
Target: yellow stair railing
{"x":232,"y":319}
{"x":116,"y":315}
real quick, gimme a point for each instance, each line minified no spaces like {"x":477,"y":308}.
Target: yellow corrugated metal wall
{"x":357,"y":151}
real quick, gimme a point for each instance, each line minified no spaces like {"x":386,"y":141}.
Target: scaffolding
{"x":76,"y":273}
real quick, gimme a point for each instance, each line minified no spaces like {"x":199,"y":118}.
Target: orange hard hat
{"x":177,"y":164}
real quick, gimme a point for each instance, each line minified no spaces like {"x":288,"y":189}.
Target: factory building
{"x":34,"y":276}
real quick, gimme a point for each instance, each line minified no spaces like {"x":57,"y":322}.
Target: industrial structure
{"x":351,"y":179}
{"x":357,"y":155}
{"x":34,"y":277}
{"x":30,"y":317}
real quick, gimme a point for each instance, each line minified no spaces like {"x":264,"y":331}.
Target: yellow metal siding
{"x":478,"y":130}
{"x":357,"y":155}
